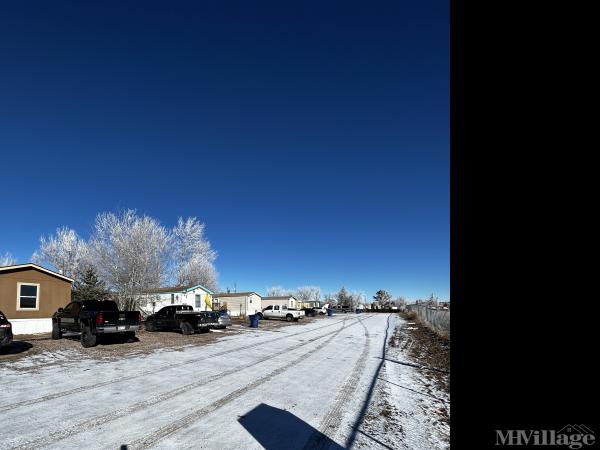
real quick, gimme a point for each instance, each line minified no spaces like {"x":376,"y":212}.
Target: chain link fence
{"x":436,"y":319}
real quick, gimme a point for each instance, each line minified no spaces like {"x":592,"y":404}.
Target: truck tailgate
{"x":119,"y":320}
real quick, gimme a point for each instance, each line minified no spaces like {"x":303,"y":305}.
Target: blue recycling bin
{"x":329,"y":312}
{"x":253,"y":320}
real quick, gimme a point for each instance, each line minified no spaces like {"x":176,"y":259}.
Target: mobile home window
{"x":28,"y":296}
{"x":172,"y":299}
{"x":198,"y":301}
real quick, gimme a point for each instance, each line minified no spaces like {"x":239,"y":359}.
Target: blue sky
{"x":311,"y":138}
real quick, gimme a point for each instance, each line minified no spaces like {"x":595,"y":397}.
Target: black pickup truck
{"x":92,"y":318}
{"x":184,"y":318}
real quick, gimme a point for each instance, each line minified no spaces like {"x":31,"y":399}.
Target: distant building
{"x":239,"y":304}
{"x":198,"y":296}
{"x":288,"y":300}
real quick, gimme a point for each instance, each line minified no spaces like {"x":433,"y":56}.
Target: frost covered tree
{"x":65,"y":251}
{"x":131,"y":254}
{"x":308,"y":293}
{"x":330,"y":298}
{"x":193,"y":257}
{"x":7,"y":259}
{"x":278,"y":291}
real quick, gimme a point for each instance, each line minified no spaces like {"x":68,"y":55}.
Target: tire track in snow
{"x":95,"y":422}
{"x":84,"y":388}
{"x":167,"y":430}
{"x":319,"y":439}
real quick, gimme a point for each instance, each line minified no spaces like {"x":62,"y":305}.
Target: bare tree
{"x":7,"y":259}
{"x":308,"y":293}
{"x":193,"y":257}
{"x":400,"y":302}
{"x":331,"y":298}
{"x":66,"y":252}
{"x":130,"y":253}
{"x":278,"y":291}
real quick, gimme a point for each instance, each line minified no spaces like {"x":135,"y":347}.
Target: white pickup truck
{"x":282,"y":312}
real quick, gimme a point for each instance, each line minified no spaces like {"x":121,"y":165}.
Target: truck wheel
{"x":186,"y":328}
{"x":129,"y":336}
{"x":56,"y":333}
{"x":150,"y":325}
{"x":289,"y":317}
{"x":87,"y":338}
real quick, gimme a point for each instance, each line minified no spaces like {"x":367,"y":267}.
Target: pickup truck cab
{"x":282,"y":312}
{"x":184,"y":318}
{"x":92,"y":318}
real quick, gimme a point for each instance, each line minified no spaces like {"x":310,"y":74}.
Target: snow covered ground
{"x":301,"y":387}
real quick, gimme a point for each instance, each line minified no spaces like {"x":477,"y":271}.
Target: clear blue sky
{"x":312,"y":138}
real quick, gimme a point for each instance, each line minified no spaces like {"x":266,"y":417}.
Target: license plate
{"x":122,"y":327}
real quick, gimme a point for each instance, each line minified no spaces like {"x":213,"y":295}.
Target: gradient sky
{"x":312,"y":138}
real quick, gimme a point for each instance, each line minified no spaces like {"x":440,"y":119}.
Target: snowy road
{"x":299,"y":387}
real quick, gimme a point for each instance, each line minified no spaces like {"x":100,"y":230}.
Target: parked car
{"x":224,"y":320}
{"x":310,"y":312}
{"x":342,"y":309}
{"x":281,"y":312}
{"x":92,"y":318}
{"x":184,"y":318}
{"x":6,"y":335}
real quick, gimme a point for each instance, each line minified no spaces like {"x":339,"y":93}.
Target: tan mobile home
{"x":30,"y":294}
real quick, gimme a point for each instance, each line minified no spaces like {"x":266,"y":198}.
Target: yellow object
{"x":208,"y":301}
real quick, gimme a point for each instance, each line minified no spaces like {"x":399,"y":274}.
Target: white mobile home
{"x":289,"y":300}
{"x":197,"y":296}
{"x":239,"y":304}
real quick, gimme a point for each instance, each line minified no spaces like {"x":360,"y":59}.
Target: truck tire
{"x":87,"y":338}
{"x":186,"y":328}
{"x":289,"y":317}
{"x":150,"y":326}
{"x":129,"y":336}
{"x":56,"y":333}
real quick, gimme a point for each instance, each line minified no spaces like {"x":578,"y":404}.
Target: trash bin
{"x":253,"y":320}
{"x":329,"y":312}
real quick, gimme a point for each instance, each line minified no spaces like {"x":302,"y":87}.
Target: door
{"x":67,"y":321}
{"x":161,"y":317}
{"x":276,"y":311}
{"x":268,"y":311}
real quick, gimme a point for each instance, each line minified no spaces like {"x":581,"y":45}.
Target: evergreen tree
{"x":89,"y":287}
{"x":382,"y":298}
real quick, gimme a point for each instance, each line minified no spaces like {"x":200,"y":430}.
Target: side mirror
{"x":60,"y":309}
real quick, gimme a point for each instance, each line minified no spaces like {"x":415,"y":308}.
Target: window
{"x":28,"y":296}
{"x":276,"y":307}
{"x":172,"y":299}
{"x":284,"y":307}
{"x":198,"y":301}
{"x":269,"y":308}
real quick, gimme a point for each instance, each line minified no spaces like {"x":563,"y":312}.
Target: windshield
{"x":95,"y":305}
